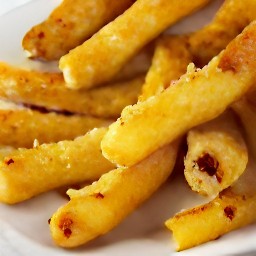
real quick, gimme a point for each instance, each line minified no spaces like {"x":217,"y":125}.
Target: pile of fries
{"x":127,"y":95}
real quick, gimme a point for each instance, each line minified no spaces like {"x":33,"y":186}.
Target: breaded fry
{"x":192,"y":100}
{"x":69,"y":25}
{"x":229,"y":21}
{"x":96,"y":209}
{"x":169,"y":62}
{"x":102,"y":56}
{"x":20,"y":126}
{"x":217,"y":155}
{"x":48,"y":90}
{"x":25,"y":173}
{"x":234,"y":208}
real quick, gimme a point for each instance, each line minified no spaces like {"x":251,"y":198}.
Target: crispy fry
{"x":209,"y":41}
{"x":247,"y":113}
{"x":69,"y":25}
{"x":25,"y":173}
{"x":217,"y":155}
{"x":194,"y":99}
{"x":234,"y":208}
{"x":98,"y":208}
{"x":101,"y":57}
{"x":21,"y":126}
{"x":48,"y":90}
{"x":169,"y":62}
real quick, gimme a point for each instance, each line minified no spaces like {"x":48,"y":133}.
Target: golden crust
{"x":101,"y":57}
{"x":25,"y":173}
{"x":192,"y":100}
{"x":96,"y":209}
{"x":69,"y":25}
{"x":21,"y":126}
{"x":48,"y":90}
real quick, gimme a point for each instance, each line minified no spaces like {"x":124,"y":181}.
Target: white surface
{"x":24,"y":228}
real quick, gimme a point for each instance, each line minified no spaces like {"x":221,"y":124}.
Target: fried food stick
{"x":102,"y":56}
{"x":169,"y":62}
{"x":174,"y":53}
{"x":98,"y":208}
{"x":25,"y":173}
{"x":214,"y":37}
{"x":48,"y":90}
{"x":217,"y":155}
{"x":20,"y":126}
{"x":197,"y":97}
{"x":69,"y":25}
{"x":233,"y":208}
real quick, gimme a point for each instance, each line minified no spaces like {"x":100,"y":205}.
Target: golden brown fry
{"x":234,"y":208}
{"x":169,"y":62}
{"x":25,"y":173}
{"x":102,"y":56}
{"x":98,"y":208}
{"x":229,"y":21}
{"x":194,"y":99}
{"x":21,"y":126}
{"x":48,"y":90}
{"x":247,"y":113}
{"x":217,"y":155}
{"x":175,"y":52}
{"x":69,"y":25}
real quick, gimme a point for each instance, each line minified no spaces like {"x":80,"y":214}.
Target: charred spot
{"x":9,"y":161}
{"x":99,"y":195}
{"x":207,"y":163}
{"x":218,"y":237}
{"x":193,"y":211}
{"x":41,"y":35}
{"x":65,"y":225}
{"x":67,"y":232}
{"x":240,"y":52}
{"x":49,"y":221}
{"x":227,"y":64}
{"x":229,"y":212}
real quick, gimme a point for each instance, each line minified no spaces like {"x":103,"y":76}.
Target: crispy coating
{"x":69,"y":25}
{"x":169,"y":62}
{"x":98,"y":208}
{"x":192,"y":100}
{"x":48,"y":90}
{"x":25,"y":173}
{"x":102,"y":56}
{"x":20,"y":126}
{"x":173,"y":53}
{"x":234,"y":208}
{"x":217,"y":155}
{"x":229,"y":21}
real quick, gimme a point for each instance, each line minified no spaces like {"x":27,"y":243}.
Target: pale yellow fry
{"x":234,"y":208}
{"x":229,"y":21}
{"x":25,"y":173}
{"x":102,"y":56}
{"x":69,"y":25}
{"x":197,"y":97}
{"x":98,"y":208}
{"x":21,"y":126}
{"x":247,"y":113}
{"x":48,"y":90}
{"x":169,"y":62}
{"x":217,"y":155}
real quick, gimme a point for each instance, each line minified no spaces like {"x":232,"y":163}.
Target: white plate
{"x":24,"y":228}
